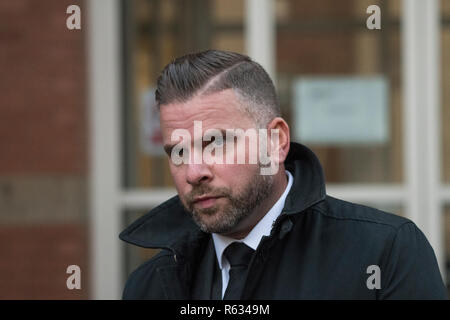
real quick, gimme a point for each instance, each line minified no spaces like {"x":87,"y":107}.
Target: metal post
{"x":104,"y":171}
{"x":421,"y":65}
{"x":260,"y":28}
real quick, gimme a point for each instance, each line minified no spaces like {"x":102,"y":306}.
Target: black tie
{"x":238,"y":255}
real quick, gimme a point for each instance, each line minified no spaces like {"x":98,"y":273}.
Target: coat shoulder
{"x":394,"y":243}
{"x":338,"y":209}
{"x":143,"y":283}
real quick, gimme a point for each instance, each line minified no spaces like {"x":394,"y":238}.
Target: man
{"x":236,"y":231}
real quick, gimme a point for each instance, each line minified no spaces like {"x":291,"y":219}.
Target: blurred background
{"x":80,"y":148}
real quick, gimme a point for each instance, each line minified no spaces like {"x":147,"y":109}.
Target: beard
{"x":223,"y":218}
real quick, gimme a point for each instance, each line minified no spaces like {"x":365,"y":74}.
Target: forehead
{"x":220,"y":110}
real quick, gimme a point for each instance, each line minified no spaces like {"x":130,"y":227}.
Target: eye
{"x":172,"y":151}
{"x":214,"y":141}
{"x":178,"y":154}
{"x":217,"y":142}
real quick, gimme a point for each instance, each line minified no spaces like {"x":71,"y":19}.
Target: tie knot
{"x":238,"y":254}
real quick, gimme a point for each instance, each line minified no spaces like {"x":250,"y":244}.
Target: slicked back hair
{"x":213,"y":71}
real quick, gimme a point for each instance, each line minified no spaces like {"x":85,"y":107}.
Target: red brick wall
{"x":34,"y":260}
{"x":43,"y":142}
{"x":42,"y":85}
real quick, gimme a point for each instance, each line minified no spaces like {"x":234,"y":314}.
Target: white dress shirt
{"x":262,"y":228}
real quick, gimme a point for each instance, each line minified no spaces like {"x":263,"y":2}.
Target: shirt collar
{"x":262,"y":228}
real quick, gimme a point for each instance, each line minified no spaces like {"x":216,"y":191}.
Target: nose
{"x":198,"y":173}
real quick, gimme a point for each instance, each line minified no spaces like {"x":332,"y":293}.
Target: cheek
{"x":178,"y":177}
{"x":246,"y":150}
{"x":234,"y":175}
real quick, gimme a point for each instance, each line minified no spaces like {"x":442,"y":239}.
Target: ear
{"x":280,"y":148}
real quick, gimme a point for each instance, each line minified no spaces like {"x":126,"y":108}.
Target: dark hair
{"x":213,"y":71}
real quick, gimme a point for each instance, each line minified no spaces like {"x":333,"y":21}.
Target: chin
{"x":214,"y":223}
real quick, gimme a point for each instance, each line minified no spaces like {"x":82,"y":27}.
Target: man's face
{"x":219,"y":196}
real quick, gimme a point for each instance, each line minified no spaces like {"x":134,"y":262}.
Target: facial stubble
{"x":224,"y":218}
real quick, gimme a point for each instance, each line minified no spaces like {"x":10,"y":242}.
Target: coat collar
{"x":169,"y":226}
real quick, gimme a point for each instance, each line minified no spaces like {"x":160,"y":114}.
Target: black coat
{"x":319,"y":248}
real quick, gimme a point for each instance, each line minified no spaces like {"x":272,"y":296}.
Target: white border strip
{"x":260,"y":30}
{"x":422,"y":84}
{"x":432,"y":171}
{"x":145,"y":198}
{"x":104,"y":170}
{"x":362,"y":193}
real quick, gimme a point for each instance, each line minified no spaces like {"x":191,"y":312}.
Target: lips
{"x":206,"y":201}
{"x":204,"y":198}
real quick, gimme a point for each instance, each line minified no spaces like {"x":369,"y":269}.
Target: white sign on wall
{"x":341,"y":110}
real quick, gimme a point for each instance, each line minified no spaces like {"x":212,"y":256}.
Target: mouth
{"x":206,"y":201}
